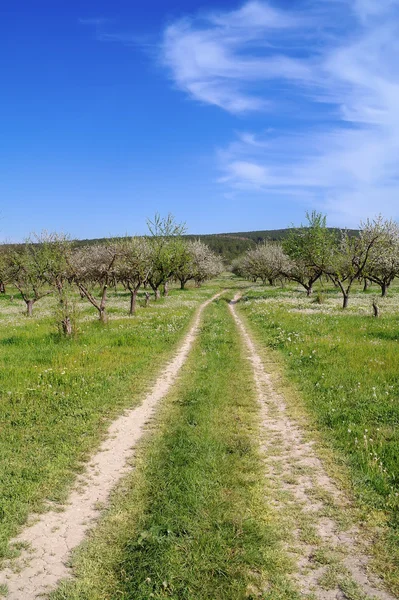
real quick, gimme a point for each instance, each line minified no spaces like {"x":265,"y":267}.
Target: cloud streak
{"x":225,"y":58}
{"x":321,"y":86}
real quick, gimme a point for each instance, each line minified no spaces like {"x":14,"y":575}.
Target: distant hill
{"x":230,"y":245}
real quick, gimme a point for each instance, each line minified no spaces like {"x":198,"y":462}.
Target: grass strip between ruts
{"x":190,"y":522}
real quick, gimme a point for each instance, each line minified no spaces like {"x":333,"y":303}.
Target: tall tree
{"x":56,"y":252}
{"x":167,"y":246}
{"x":27,"y":272}
{"x":267,"y":262}
{"x":133,"y":266}
{"x":383,"y":264}
{"x":350,"y":256}
{"x":309,"y":248}
{"x":197,"y":262}
{"x":95,"y":266}
{"x":206,"y":264}
{"x":184,"y":269}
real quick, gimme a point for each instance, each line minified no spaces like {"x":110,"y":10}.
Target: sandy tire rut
{"x":53,"y":535}
{"x":330,"y":562}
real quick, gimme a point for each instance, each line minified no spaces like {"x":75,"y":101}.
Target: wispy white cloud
{"x":255,"y":15}
{"x":253,"y":174}
{"x":324,"y":82}
{"x":217,"y":60}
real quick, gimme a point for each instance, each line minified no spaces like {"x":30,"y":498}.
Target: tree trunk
{"x":103,"y":316}
{"x":182,"y":284}
{"x":147,"y":299}
{"x":345,"y":302}
{"x":376,"y":310}
{"x":66,"y":326}
{"x":29,"y":307}
{"x":271,"y":281}
{"x":384,"y":290}
{"x":157,"y":293}
{"x":166,"y":288}
{"x":2,"y":288}
{"x":133,"y":302}
{"x":309,"y":290}
{"x":366,"y":285}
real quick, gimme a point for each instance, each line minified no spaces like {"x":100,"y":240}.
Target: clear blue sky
{"x":231,"y":115}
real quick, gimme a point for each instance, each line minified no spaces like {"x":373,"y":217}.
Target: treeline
{"x":307,"y":253}
{"x":272,"y":235}
{"x":232,"y":245}
{"x":51,"y":263}
{"x":226,"y":246}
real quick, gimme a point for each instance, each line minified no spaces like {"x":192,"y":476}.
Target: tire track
{"x":302,"y":494}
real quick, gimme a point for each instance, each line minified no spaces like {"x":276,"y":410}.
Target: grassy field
{"x":345,"y":366}
{"x":190,"y":522}
{"x":195,"y":518}
{"x":57,"y":396}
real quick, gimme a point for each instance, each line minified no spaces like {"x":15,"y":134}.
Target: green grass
{"x":190,"y":522}
{"x":345,"y":365}
{"x":57,"y":396}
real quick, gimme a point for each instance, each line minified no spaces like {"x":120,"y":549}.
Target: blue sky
{"x":231,"y":115}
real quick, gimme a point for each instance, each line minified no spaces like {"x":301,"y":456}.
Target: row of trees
{"x":314,"y":251}
{"x":52,"y":264}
